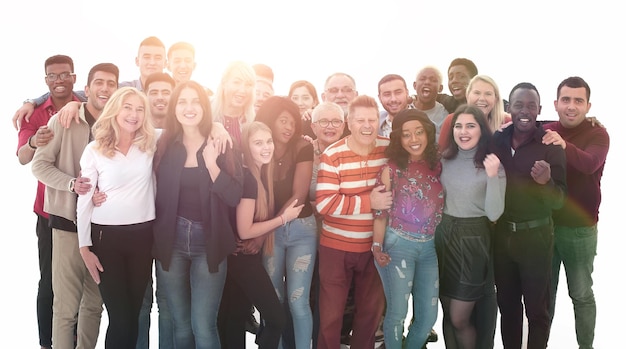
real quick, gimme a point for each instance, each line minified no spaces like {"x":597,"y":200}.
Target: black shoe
{"x":252,"y":325}
{"x":432,"y":337}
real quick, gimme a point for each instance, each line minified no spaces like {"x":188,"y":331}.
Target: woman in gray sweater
{"x":474,"y":183}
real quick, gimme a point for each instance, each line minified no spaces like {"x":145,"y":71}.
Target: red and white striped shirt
{"x":344,"y":182}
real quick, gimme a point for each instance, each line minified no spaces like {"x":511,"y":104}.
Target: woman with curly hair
{"x":404,"y":245}
{"x":115,"y":238}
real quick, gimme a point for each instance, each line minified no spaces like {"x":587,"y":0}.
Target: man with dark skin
{"x":524,"y":236}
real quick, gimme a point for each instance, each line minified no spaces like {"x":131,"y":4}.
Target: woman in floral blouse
{"x":404,"y":245}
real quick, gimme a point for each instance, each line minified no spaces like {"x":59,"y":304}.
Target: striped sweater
{"x":344,"y":182}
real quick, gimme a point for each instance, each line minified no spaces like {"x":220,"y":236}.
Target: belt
{"x":517,"y":226}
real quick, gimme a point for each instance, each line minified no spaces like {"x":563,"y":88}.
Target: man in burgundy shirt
{"x":575,"y":224}
{"x":60,"y":79}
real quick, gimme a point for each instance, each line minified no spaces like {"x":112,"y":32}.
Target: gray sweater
{"x":468,"y":190}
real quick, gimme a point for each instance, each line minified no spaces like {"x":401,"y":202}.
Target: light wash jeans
{"x":193,"y":293}
{"x":576,"y":249}
{"x":291,"y":268}
{"x":412,"y":271}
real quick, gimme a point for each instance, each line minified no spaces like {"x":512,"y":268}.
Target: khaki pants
{"x":77,"y":298}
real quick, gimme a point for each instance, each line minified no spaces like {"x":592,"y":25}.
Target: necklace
{"x":281,"y":159}
{"x":363,"y":165}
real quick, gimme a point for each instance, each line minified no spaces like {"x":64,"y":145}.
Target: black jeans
{"x":523,"y":264}
{"x":44,"y":290}
{"x":247,"y":284}
{"x":125,"y":253}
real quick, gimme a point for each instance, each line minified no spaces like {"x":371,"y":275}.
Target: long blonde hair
{"x":243,"y":71}
{"x":496,"y":117}
{"x":106,"y":131}
{"x":264,"y":203}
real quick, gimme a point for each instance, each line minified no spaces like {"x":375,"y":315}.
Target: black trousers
{"x":125,"y":253}
{"x":44,"y":289}
{"x":247,"y":284}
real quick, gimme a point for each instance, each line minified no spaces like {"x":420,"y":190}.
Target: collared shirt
{"x":133,"y":83}
{"x":525,"y":199}
{"x":40,"y":117}
{"x":129,"y":184}
{"x":385,"y":123}
{"x":384,"y":129}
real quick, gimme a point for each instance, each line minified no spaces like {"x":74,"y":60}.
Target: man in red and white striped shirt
{"x":345,"y":198}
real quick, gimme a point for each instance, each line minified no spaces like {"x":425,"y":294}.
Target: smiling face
{"x":414,"y":139}
{"x":363,"y":125}
{"x":100,"y":89}
{"x":427,"y":85}
{"x":572,"y":106}
{"x":466,"y":131}
{"x":150,"y":59}
{"x":340,"y":89}
{"x":458,"y":79}
{"x":524,"y":107}
{"x":261,"y":147}
{"x":329,"y":134}
{"x":303,"y":98}
{"x":132,"y":115}
{"x":181,"y":64}
{"x":482,"y":95}
{"x":61,"y":89}
{"x":238,"y":92}
{"x":188,"y":108}
{"x":284,"y":127}
{"x":159,"y":93}
{"x":393,"y":96}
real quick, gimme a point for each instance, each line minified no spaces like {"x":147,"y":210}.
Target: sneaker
{"x":252,"y":325}
{"x":432,"y":337}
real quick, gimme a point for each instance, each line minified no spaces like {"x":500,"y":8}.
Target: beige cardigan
{"x":57,"y":163}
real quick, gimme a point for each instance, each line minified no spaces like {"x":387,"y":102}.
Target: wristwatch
{"x":31,"y":101}
{"x":374,"y":244}
{"x":71,"y":185}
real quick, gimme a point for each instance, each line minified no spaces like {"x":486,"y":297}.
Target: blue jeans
{"x":293,"y":261}
{"x":193,"y":293}
{"x":413,"y":270}
{"x":576,"y":249}
{"x":166,"y":337}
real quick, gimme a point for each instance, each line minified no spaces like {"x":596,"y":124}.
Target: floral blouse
{"x":418,"y":198}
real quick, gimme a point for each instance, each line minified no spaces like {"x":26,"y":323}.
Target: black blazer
{"x":217,"y":199}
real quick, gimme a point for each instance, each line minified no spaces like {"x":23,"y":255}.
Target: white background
{"x":542,"y":42}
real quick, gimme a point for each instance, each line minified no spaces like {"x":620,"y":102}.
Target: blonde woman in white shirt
{"x":115,"y":238}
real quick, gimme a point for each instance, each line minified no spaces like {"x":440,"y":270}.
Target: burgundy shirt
{"x":585,"y":153}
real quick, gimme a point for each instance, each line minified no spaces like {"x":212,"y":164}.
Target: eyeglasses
{"x":325,"y":122}
{"x":335,"y":90}
{"x":52,"y":77}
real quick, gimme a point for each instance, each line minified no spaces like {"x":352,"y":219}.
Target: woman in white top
{"x":115,"y":238}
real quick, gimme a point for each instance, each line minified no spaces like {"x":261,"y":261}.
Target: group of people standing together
{"x":243,"y":198}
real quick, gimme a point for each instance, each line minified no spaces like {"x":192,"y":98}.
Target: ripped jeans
{"x":291,"y":269}
{"x":413,"y":271}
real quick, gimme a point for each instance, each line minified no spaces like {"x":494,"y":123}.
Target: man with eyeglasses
{"x":60,"y":79}
{"x":150,"y":59}
{"x":339,"y":88}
